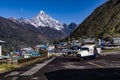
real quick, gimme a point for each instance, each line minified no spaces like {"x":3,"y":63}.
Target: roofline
{"x":2,"y":41}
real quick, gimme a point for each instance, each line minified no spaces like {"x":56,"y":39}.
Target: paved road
{"x":69,"y":68}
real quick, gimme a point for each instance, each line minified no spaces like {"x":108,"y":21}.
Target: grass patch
{"x":26,"y":61}
{"x":7,"y":67}
{"x":20,"y":63}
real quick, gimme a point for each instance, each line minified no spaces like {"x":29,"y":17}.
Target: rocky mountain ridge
{"x":104,"y":21}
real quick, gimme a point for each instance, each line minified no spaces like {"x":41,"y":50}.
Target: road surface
{"x":69,"y":68}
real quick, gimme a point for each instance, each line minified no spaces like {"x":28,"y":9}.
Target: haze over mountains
{"x":27,"y":32}
{"x":104,"y":21}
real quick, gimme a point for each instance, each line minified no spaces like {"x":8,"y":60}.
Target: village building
{"x":1,"y":46}
{"x":116,"y":40}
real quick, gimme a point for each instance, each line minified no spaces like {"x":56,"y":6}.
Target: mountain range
{"x":21,"y":32}
{"x":104,"y":21}
{"x":44,"y":23}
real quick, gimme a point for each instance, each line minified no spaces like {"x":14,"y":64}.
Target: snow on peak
{"x":44,"y":20}
{"x":13,"y":19}
{"x":23,"y":20}
{"x":42,"y":12}
{"x":40,"y":20}
{"x":19,"y":20}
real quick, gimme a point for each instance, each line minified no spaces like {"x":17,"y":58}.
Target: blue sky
{"x":65,"y":11}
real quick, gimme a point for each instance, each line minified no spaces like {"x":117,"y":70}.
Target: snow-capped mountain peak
{"x":44,"y":20}
{"x":40,"y":20}
{"x":42,"y":12}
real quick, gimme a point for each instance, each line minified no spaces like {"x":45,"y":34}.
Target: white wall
{"x":0,"y":50}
